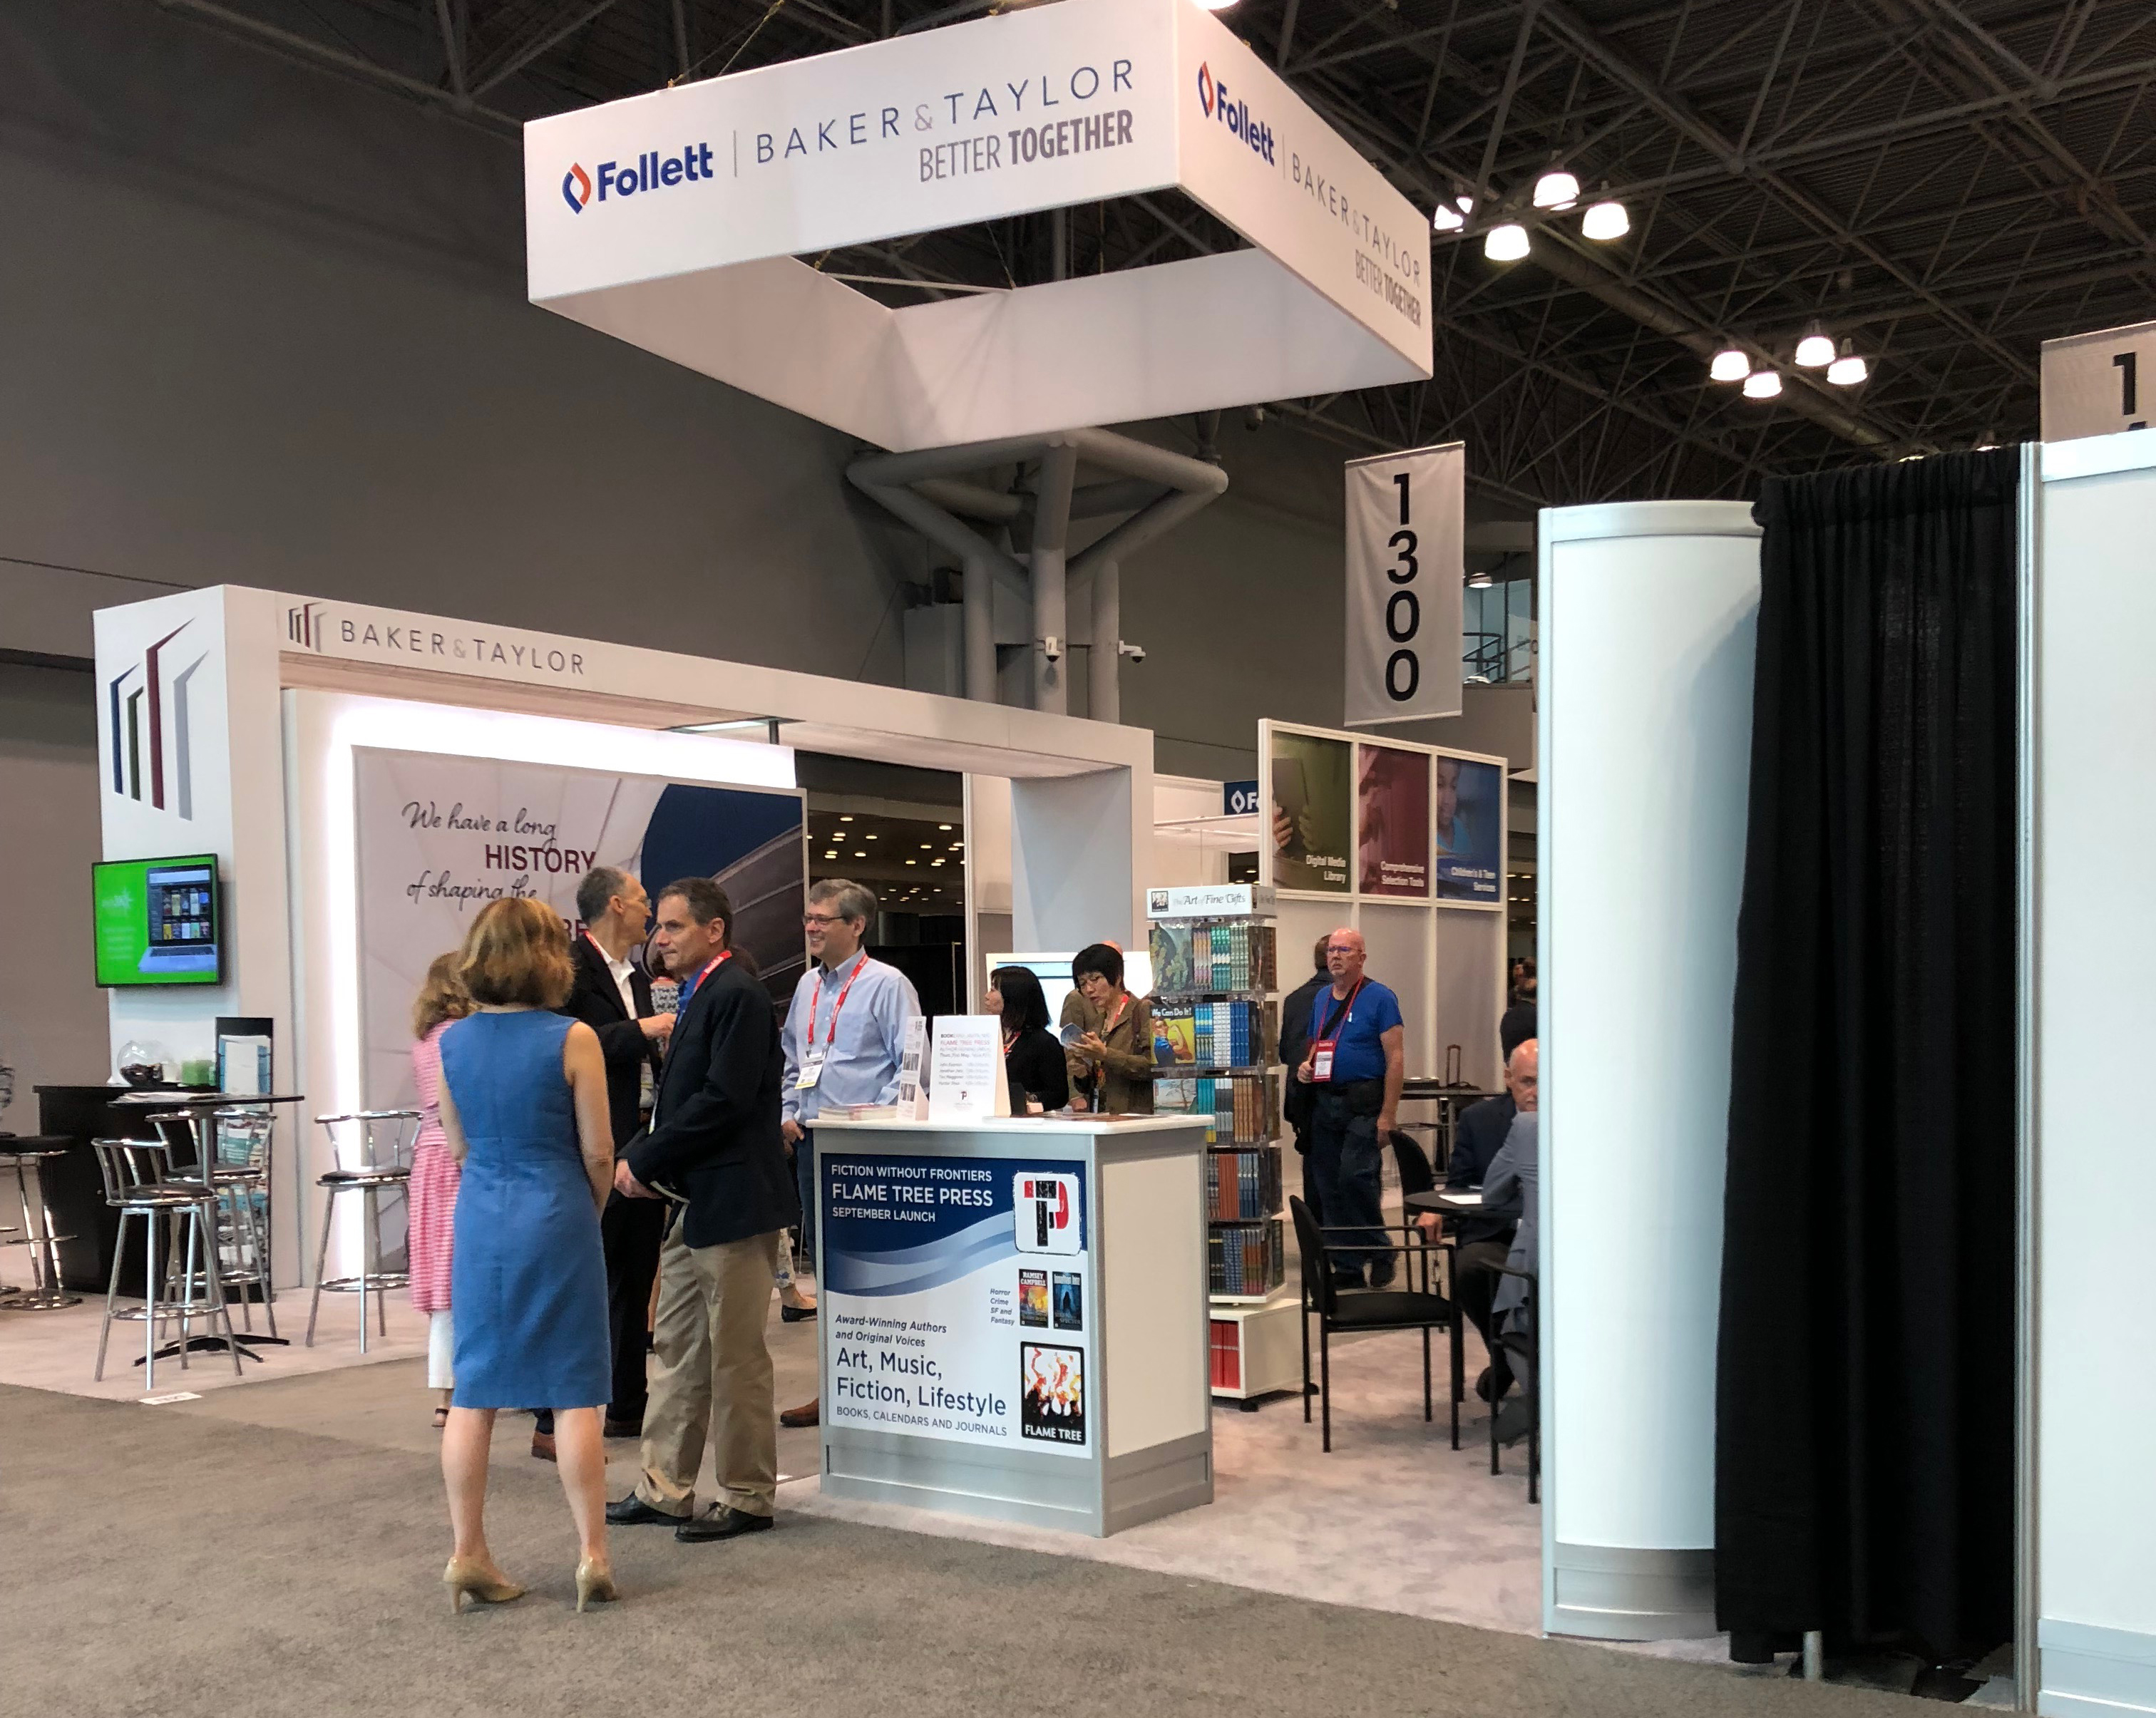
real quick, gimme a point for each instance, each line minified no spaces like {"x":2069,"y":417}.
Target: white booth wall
{"x":1649,"y":612}
{"x":2091,"y":1017}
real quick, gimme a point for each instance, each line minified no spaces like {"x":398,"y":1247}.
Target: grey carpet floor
{"x":182,"y":1565}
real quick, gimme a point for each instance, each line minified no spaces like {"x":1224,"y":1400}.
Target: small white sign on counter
{"x":966,"y":1081}
{"x":912,"y":1095}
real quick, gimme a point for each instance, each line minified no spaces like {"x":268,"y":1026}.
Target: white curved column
{"x":1647,"y":619}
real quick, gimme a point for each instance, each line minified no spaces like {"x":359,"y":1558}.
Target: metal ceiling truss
{"x":1945,"y":183}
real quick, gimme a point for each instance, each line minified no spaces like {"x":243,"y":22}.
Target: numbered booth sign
{"x":1405,"y":573}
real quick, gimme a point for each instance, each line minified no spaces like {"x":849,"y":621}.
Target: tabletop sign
{"x":913,"y":1092}
{"x":2099,"y":383}
{"x":966,"y":1080}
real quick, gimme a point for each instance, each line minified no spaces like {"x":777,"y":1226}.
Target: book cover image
{"x":1178,"y":1030}
{"x":1051,"y":1393}
{"x":1033,"y":1299}
{"x":1393,"y":786}
{"x":1172,"y":969}
{"x":1069,"y":1303}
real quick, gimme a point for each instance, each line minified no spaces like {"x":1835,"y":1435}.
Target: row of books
{"x":1225,"y":1350}
{"x":1241,"y":1186}
{"x":1241,"y":1108}
{"x":1246,"y":1258}
{"x":1203,"y":955}
{"x":1214,"y":1035}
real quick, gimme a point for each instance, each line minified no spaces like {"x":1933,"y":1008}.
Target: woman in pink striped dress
{"x":442,"y":1003}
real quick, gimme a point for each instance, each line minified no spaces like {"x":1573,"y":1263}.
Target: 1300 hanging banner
{"x":1404,"y":579}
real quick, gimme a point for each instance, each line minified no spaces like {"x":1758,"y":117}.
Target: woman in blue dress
{"x":524,"y":1105}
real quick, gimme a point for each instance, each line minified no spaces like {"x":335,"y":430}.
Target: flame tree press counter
{"x":1013,"y":1316}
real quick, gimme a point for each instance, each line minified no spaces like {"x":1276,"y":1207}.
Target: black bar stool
{"x":370,"y":1155}
{"x":135,"y":1185}
{"x":44,"y":1294}
{"x":227,"y":1151}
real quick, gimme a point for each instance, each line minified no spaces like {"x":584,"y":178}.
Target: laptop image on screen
{"x":181,"y":908}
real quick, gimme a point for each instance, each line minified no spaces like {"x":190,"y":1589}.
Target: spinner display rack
{"x":1216,"y":1033}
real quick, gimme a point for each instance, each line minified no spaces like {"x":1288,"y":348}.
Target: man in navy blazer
{"x":1484,"y":1237}
{"x":713,"y":1150}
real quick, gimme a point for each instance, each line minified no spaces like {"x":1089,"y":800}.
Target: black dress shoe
{"x":624,"y":1428}
{"x":796,"y":1314}
{"x":1485,"y":1388}
{"x":1381,"y":1273}
{"x":724,"y":1522}
{"x":633,"y":1511}
{"x":1514,"y":1420}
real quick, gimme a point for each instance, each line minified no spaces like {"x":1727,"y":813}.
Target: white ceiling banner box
{"x":1405,"y":565}
{"x":674,"y":220}
{"x":2099,"y":383}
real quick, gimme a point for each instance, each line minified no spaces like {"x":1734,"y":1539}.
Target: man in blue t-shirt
{"x":1353,"y":1069}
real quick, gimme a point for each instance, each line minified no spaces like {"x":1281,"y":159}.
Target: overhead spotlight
{"x":1479,"y":580}
{"x":1729,"y":365}
{"x":1605,"y":221}
{"x":1556,"y":189}
{"x":1465,"y":203}
{"x":1447,"y":219}
{"x":1847,"y":370}
{"x":1815,"y":351}
{"x":1506,"y":243}
{"x":1763,"y":384}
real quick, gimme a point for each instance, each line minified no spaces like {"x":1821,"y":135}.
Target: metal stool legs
{"x":184,"y":1285}
{"x":367,"y":1280}
{"x":321,"y":1265}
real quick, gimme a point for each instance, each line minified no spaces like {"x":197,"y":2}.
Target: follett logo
{"x":576,"y":188}
{"x":1235,"y":115}
{"x":651,"y":171}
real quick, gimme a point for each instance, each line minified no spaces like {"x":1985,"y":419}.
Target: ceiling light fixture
{"x":1763,"y":384}
{"x":1847,"y":370}
{"x":1447,"y":220}
{"x":942,"y":826}
{"x":1815,"y":351}
{"x":1506,"y":243}
{"x":1479,"y":580}
{"x":1464,"y":203}
{"x":1556,"y":189}
{"x":1605,"y":221}
{"x":1729,"y":365}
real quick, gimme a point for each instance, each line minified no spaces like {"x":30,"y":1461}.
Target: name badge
{"x":812,"y":1070}
{"x":1320,"y":1061}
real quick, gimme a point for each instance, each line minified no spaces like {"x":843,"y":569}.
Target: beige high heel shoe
{"x":465,"y":1580}
{"x":595,"y":1584}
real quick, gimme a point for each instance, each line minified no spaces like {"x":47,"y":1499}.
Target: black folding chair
{"x":1525,"y":1355}
{"x":1361,"y":1309}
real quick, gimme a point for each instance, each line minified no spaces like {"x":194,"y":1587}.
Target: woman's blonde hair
{"x":518,"y":953}
{"x":442,"y":998}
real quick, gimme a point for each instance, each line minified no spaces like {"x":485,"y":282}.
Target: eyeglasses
{"x":809,"y":921}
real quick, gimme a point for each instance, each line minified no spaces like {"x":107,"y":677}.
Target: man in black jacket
{"x":612,"y":995}
{"x":713,"y":1151}
{"x":1294,"y":1046}
{"x":1484,"y":1237}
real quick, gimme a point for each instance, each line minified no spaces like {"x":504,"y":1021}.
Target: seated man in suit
{"x":713,"y":1150}
{"x":1484,"y":1237}
{"x":1515,"y":1175}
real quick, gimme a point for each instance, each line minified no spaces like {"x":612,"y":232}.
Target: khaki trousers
{"x":712,"y":1376}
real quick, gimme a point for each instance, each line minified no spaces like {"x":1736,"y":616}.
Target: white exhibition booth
{"x":248,"y":714}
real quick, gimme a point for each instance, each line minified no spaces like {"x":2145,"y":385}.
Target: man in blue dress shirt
{"x":844,"y":1035}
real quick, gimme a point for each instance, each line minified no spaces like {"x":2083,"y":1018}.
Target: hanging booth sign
{"x":2099,"y":383}
{"x":1404,"y":572}
{"x":676,"y":221}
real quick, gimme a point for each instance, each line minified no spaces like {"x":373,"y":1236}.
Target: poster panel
{"x":1310,"y":787}
{"x":1392,"y":829}
{"x":955,"y":1295}
{"x":1468,"y":827}
{"x":440,"y":837}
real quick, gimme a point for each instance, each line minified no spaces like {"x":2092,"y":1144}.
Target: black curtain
{"x":1864,"y":1479}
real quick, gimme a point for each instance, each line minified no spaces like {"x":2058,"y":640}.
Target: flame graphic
{"x":580,"y":194}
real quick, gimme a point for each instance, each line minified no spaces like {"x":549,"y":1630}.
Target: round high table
{"x":44,"y":1294}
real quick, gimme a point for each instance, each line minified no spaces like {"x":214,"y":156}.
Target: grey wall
{"x":52,"y":1016}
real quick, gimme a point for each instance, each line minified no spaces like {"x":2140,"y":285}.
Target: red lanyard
{"x":691,"y":988}
{"x":1345,"y":1012}
{"x":1116,"y":1019}
{"x":1009,"y":1038}
{"x":816,"y":1002}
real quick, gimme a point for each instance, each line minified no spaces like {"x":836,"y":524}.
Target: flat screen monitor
{"x":158,"y":921}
